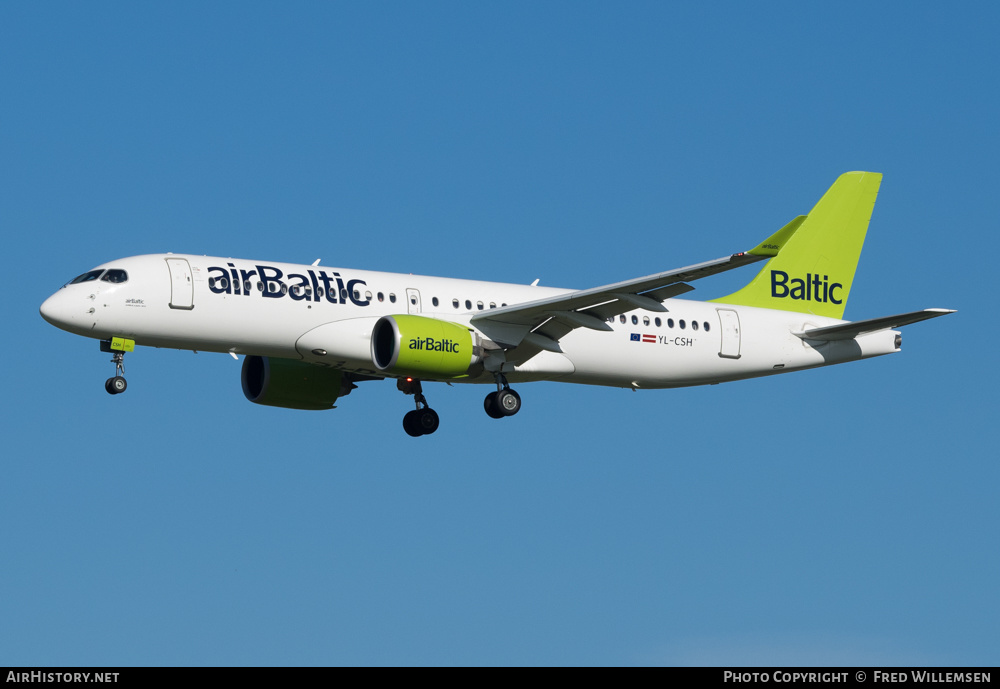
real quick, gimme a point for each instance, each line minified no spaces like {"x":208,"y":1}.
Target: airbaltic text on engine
{"x":297,"y":286}
{"x":429,"y":344}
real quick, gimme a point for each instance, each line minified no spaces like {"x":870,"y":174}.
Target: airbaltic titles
{"x":269,"y":283}
{"x":808,"y":289}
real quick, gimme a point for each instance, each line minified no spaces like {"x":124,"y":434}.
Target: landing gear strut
{"x":116,"y":384}
{"x":503,"y":402}
{"x":423,"y":420}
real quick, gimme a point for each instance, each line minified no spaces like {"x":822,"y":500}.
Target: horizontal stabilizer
{"x":848,"y":331}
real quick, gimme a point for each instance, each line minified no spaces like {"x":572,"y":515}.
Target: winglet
{"x":772,"y":245}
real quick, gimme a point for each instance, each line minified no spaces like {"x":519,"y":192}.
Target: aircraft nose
{"x":51,"y":310}
{"x":67,"y":313}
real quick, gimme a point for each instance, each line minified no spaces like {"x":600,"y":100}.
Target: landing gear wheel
{"x":420,"y":422}
{"x":115,"y":385}
{"x":502,"y":403}
{"x":410,"y":424}
{"x":427,"y":420}
{"x":508,"y":402}
{"x":490,"y":405}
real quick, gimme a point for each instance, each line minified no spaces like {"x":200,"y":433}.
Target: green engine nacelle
{"x":289,"y":383}
{"x":423,"y":347}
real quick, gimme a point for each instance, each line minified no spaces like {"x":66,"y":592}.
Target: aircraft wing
{"x":848,"y":331}
{"x":538,"y":325}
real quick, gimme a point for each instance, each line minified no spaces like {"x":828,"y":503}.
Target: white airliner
{"x":310,"y":333}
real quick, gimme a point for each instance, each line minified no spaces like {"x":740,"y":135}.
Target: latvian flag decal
{"x":636,"y":337}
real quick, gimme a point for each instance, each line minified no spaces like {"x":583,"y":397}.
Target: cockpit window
{"x":115,"y":275}
{"x":87,"y":277}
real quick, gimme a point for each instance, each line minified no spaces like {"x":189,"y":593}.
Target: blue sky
{"x":839,"y":516}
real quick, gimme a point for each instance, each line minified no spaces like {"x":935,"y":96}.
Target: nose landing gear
{"x":423,"y":420}
{"x":117,"y":346}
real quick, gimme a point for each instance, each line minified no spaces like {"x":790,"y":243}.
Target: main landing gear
{"x":116,"y":384}
{"x":423,"y":420}
{"x":503,"y":402}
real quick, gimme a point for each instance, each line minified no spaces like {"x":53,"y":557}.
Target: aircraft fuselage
{"x":282,"y":310}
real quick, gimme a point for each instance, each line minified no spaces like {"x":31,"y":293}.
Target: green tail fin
{"x":813,"y":271}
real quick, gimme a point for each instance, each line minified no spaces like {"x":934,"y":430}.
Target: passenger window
{"x":670,"y":322}
{"x":392,"y":298}
{"x":493,"y":304}
{"x":682,"y":324}
{"x":622,"y":318}
{"x":434,"y":300}
{"x":706,"y":326}
{"x":468,"y":304}
{"x":694,"y":325}
{"x":479,"y":305}
{"x":635,"y":320}
{"x":381,"y":297}
{"x":645,"y":320}
{"x":658,"y":321}
{"x":454,"y":302}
